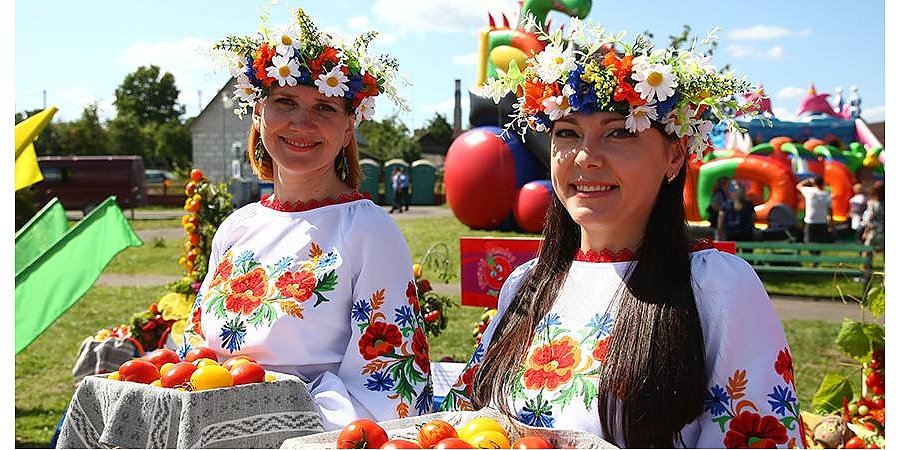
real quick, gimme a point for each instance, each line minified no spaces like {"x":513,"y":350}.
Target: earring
{"x":345,"y":166}
{"x":259,"y":153}
{"x":670,"y":178}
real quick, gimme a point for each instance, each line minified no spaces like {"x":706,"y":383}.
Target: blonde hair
{"x":265,"y":171}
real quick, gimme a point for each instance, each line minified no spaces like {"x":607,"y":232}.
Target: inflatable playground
{"x":498,"y":178}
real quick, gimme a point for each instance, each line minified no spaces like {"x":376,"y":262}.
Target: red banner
{"x":485,"y":264}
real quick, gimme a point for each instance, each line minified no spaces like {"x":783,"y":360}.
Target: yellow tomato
{"x":165,"y":368}
{"x":489,"y":439}
{"x":189,"y":227}
{"x":270,"y":377}
{"x":211,"y":377}
{"x":206,"y":362}
{"x":114,"y":376}
{"x":417,"y":270}
{"x":477,"y":425}
{"x":156,"y":383}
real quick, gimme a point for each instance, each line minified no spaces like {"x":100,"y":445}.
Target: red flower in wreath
{"x":749,"y":430}
{"x":379,"y":339}
{"x":261,"y":58}
{"x":420,"y":349}
{"x":298,"y":285}
{"x":247,"y":292}
{"x":223,"y":271}
{"x":784,"y":365}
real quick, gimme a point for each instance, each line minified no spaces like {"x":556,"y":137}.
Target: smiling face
{"x":607,"y":177}
{"x":303,"y":131}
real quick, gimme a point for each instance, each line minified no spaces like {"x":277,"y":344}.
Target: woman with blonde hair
{"x":315,"y":280}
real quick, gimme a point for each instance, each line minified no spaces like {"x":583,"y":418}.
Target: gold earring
{"x":259,"y":153}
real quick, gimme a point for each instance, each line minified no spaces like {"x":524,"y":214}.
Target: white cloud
{"x":71,"y":101}
{"x":359,"y":23}
{"x":444,"y":107}
{"x":791,"y":93}
{"x":875,"y":114}
{"x":189,"y":60}
{"x":765,"y":32}
{"x":468,"y":59}
{"x":750,"y":51}
{"x":776,"y":52}
{"x":783,"y":114}
{"x":439,"y":15}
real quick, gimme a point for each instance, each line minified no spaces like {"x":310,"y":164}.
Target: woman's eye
{"x":565,"y":133}
{"x":325,"y":107}
{"x":285,"y":101}
{"x":620,"y":133}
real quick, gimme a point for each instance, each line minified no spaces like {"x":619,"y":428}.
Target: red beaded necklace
{"x":269,"y":201}
{"x":607,"y":256}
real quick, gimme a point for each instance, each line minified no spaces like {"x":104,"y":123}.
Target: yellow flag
{"x":27,"y":170}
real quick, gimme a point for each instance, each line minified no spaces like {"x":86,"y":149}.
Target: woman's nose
{"x":589,"y":155}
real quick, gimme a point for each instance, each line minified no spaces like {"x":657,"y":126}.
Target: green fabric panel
{"x":41,"y":232}
{"x":54,"y":281}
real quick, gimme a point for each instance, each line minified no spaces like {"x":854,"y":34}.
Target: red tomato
{"x":532,"y":442}
{"x":161,"y":356}
{"x":877,"y":389}
{"x":196,"y":175}
{"x":872,"y":445}
{"x":361,"y":433}
{"x":855,"y":442}
{"x":231,"y":362}
{"x":248,"y":373}
{"x":178,"y":374}
{"x":199,"y":353}
{"x":400,"y":443}
{"x":452,"y":443}
{"x":138,"y":371}
{"x":434,"y":431}
{"x":879,"y":403}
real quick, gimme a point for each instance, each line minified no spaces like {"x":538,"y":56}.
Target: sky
{"x":79,"y":52}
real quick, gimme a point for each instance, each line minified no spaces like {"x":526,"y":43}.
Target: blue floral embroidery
{"x":183,"y":350}
{"x":551,"y":319}
{"x":327,"y":260}
{"x":361,"y":310}
{"x":602,"y":323}
{"x":425,"y":401}
{"x":380,"y":381}
{"x":537,"y":413}
{"x":244,"y":257}
{"x":283,"y":264}
{"x":233,"y":334}
{"x":716,"y":400}
{"x":781,"y":398}
{"x":404,"y":316}
{"x":479,"y":353}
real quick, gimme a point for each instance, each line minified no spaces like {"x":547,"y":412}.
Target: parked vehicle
{"x":82,"y":182}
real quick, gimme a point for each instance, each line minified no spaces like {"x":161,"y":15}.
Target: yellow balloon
{"x":501,"y":55}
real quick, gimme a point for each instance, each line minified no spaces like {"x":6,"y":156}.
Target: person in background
{"x":873,"y":218}
{"x":857,"y":209}
{"x":396,"y":204}
{"x":736,"y":216}
{"x":403,"y":192}
{"x":719,"y":197}
{"x":315,"y":280}
{"x":817,"y":218}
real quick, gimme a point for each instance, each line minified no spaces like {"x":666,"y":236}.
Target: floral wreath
{"x":301,"y":54}
{"x":586,"y":72}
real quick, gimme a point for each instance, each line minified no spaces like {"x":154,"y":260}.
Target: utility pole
{"x":45,"y":99}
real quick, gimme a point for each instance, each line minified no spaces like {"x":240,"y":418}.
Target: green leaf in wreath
{"x":853,"y":339}
{"x":831,"y":394}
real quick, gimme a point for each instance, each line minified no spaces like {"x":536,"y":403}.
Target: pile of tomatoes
{"x":200,"y":370}
{"x":481,"y":432}
{"x":482,"y":324}
{"x":869,"y":410}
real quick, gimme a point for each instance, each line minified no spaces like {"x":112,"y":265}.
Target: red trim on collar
{"x":269,"y":201}
{"x":701,"y":244}
{"x":607,"y":256}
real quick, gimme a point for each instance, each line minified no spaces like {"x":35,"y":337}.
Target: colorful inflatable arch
{"x":774,"y":175}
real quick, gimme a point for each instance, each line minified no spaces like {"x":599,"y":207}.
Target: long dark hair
{"x":655,"y":369}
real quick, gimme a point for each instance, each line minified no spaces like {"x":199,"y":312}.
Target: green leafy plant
{"x":433,"y":305}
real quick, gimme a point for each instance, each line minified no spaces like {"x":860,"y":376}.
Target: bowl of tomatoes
{"x":485,"y":428}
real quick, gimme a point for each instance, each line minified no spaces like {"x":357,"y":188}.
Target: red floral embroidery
{"x":604,"y":256}
{"x":599,"y":352}
{"x":420,"y":349}
{"x":223,"y":271}
{"x":269,"y":201}
{"x":379,"y":339}
{"x":247,"y":292}
{"x":552,"y":365}
{"x":749,"y":430}
{"x":196,"y":322}
{"x":784,"y":365}
{"x":468,"y":378}
{"x":412,"y":297}
{"x":298,"y":285}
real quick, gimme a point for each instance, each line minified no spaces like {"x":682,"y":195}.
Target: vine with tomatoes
{"x":432,"y":304}
{"x":206,"y":206}
{"x":863,"y":412}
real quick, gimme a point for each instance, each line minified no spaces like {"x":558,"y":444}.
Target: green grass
{"x":149,"y":259}
{"x":456,"y":341}
{"x":44,"y":383}
{"x":152,"y":224}
{"x":815,"y":354}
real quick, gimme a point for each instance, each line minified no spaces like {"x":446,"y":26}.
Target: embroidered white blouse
{"x":751,"y":395}
{"x":326,"y":294}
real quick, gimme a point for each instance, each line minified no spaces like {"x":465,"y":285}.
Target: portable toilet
{"x":388,"y":171}
{"x":424,"y":175}
{"x":371,"y":173}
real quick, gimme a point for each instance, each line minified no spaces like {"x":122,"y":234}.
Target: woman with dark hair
{"x":315,"y":280}
{"x":736,"y":215}
{"x":621,"y":326}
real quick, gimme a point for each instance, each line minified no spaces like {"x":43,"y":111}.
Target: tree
{"x":149,"y":96}
{"x":128,"y":137}
{"x":440,"y":130}
{"x":388,"y":139}
{"x":84,"y":136}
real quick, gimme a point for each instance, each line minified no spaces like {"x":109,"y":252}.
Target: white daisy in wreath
{"x":656,"y":82}
{"x":286,"y":40}
{"x":553,"y":62}
{"x":557,"y":106}
{"x":365,"y":110}
{"x":284,"y":69}
{"x":333,"y":83}
{"x":639,"y":118}
{"x":245,"y":90}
